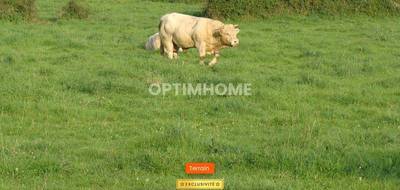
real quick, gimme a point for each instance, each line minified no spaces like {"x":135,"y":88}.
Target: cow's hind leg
{"x":176,"y":51}
{"x":166,"y":43}
{"x":162,"y":49}
{"x":168,"y":47}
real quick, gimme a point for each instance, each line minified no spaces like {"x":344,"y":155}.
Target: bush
{"x":74,"y":10}
{"x":265,"y":8}
{"x":18,"y":10}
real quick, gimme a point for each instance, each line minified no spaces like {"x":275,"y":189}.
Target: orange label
{"x":200,"y":168}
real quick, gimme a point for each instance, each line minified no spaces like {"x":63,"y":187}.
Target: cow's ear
{"x":237,"y":28}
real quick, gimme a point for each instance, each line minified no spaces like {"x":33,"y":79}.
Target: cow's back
{"x":182,"y":28}
{"x":175,"y":21}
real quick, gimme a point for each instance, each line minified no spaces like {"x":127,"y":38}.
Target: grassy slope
{"x":75,"y":110}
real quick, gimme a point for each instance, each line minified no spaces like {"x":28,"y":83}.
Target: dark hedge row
{"x":265,"y":8}
{"x":182,"y":1}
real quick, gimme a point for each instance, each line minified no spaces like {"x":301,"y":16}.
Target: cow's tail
{"x":161,"y":41}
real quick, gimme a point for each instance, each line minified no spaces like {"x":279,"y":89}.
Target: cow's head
{"x":228,"y":34}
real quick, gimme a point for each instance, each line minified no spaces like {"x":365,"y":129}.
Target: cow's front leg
{"x":215,"y":59}
{"x":201,"y":47}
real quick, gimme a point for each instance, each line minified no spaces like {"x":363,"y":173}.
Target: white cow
{"x":207,"y":35}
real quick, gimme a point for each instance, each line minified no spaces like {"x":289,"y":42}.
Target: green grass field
{"x":75,"y":111}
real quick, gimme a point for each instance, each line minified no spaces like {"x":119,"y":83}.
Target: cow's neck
{"x":217,"y":43}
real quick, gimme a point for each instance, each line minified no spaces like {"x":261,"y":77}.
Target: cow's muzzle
{"x":235,"y":43}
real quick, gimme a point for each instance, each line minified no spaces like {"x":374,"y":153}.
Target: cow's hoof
{"x":212,"y":63}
